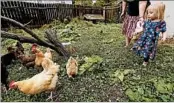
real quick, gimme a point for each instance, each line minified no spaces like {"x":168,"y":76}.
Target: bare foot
{"x":145,"y":64}
{"x":4,"y":89}
{"x":139,"y":48}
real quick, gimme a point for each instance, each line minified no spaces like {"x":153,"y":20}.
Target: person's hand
{"x":139,"y":27}
{"x":141,"y":19}
{"x":164,"y":36}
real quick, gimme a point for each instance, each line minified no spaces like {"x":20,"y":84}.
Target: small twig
{"x":28,"y":23}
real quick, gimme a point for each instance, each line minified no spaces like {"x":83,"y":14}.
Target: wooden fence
{"x":40,"y":13}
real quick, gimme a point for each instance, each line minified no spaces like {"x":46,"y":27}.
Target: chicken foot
{"x":5,"y":90}
{"x":51,"y":97}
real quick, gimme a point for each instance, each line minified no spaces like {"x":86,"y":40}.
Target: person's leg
{"x":124,"y":29}
{"x":129,"y":26}
{"x":128,"y":40}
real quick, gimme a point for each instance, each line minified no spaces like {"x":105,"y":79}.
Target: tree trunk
{"x":22,"y":39}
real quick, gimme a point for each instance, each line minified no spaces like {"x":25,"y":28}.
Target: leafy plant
{"x":119,"y":74}
{"x":89,"y":63}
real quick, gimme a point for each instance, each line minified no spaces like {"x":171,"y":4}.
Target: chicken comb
{"x":11,"y":83}
{"x":34,"y":44}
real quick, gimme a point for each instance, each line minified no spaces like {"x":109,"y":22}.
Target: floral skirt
{"x":129,"y":25}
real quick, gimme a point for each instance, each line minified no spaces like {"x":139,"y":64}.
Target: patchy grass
{"x":108,"y":71}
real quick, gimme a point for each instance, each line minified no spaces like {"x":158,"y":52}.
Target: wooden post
{"x":104,"y":13}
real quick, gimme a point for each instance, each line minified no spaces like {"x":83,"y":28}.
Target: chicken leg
{"x":5,"y":90}
{"x":51,"y":97}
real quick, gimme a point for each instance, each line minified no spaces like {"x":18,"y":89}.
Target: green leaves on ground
{"x":90,"y":63}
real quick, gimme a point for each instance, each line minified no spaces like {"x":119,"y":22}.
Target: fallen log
{"x":22,"y":39}
{"x":58,"y":48}
{"x":52,"y":37}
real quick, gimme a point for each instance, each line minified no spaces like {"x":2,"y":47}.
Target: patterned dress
{"x":129,"y":25}
{"x":146,"y":45}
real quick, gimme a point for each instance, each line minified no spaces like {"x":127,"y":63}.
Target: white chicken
{"x":48,"y":53}
{"x":44,"y":81}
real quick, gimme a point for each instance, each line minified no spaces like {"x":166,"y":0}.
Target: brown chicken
{"x":44,"y":81}
{"x":20,"y":48}
{"x":41,"y":60}
{"x":48,"y":53}
{"x":27,"y":60}
{"x":33,"y":48}
{"x":72,"y":67}
{"x":39,"y":57}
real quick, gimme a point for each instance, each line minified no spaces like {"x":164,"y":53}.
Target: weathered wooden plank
{"x":62,"y":12}
{"x":43,"y":18}
{"x":56,"y":11}
{"x":59,"y":11}
{"x":34,"y":11}
{"x":15,"y":14}
{"x":38,"y":13}
{"x":45,"y":13}
{"x":52,"y":11}
{"x":23,"y":11}
{"x":7,"y":10}
{"x":27,"y":14}
{"x":18,"y":11}
{"x":3,"y":11}
{"x":49,"y":13}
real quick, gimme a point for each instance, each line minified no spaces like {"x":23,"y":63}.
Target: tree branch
{"x":37,"y":39}
{"x":21,"y":26}
{"x":26,"y":30}
{"x":52,"y":37}
{"x":22,"y":39}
